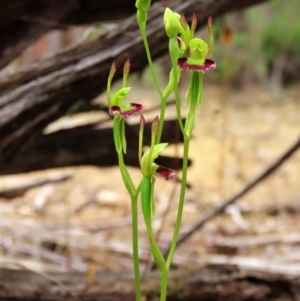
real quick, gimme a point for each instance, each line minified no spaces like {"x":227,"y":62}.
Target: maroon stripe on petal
{"x":136,"y":108}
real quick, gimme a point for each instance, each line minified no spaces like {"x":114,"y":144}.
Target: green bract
{"x":172,"y":23}
{"x":143,"y":5}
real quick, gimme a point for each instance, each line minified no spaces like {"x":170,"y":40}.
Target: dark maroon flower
{"x":189,"y":64}
{"x":167,"y":173}
{"x":126,"y":109}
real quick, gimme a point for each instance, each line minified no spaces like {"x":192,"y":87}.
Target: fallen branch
{"x":86,"y":145}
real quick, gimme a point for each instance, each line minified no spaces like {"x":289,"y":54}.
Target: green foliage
{"x":269,"y":30}
{"x":282,"y":29}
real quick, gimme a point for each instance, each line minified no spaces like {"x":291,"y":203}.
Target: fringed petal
{"x":167,"y":173}
{"x":126,"y":110}
{"x":185,"y":64}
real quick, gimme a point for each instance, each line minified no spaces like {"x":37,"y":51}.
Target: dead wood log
{"x":47,"y":89}
{"x":23,"y":21}
{"x":212,"y":282}
{"x":87,"y":145}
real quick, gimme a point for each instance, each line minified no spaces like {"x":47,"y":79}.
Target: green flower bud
{"x":172,"y":23}
{"x":143,"y":5}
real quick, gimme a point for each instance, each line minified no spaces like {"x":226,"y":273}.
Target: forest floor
{"x":84,"y":223}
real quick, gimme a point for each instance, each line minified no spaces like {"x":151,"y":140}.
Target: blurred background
{"x":250,"y":116}
{"x":257,"y":46}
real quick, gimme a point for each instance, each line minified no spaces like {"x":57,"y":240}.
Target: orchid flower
{"x":148,"y":166}
{"x":120,"y":110}
{"x":199,"y":59}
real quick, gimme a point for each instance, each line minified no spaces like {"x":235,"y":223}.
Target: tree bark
{"x":210,"y":283}
{"x":44,"y":91}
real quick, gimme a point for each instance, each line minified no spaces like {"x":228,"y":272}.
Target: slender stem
{"x":125,"y":175}
{"x":181,"y":201}
{"x":146,"y":45}
{"x":163,"y":98}
{"x":133,"y":192}
{"x":161,"y":118}
{"x":163,"y":285}
{"x":177,"y":97}
{"x":135,"y":247}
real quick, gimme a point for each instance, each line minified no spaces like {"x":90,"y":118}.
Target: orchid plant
{"x":187,"y":53}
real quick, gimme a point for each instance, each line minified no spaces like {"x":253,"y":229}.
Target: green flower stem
{"x":177,"y":97}
{"x":161,"y":117}
{"x":161,"y":264}
{"x":125,"y":175}
{"x":142,"y":27}
{"x":163,"y":98}
{"x":181,"y":201}
{"x":135,"y":247}
{"x":163,"y":285}
{"x":147,"y":187}
{"x":133,"y":192}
